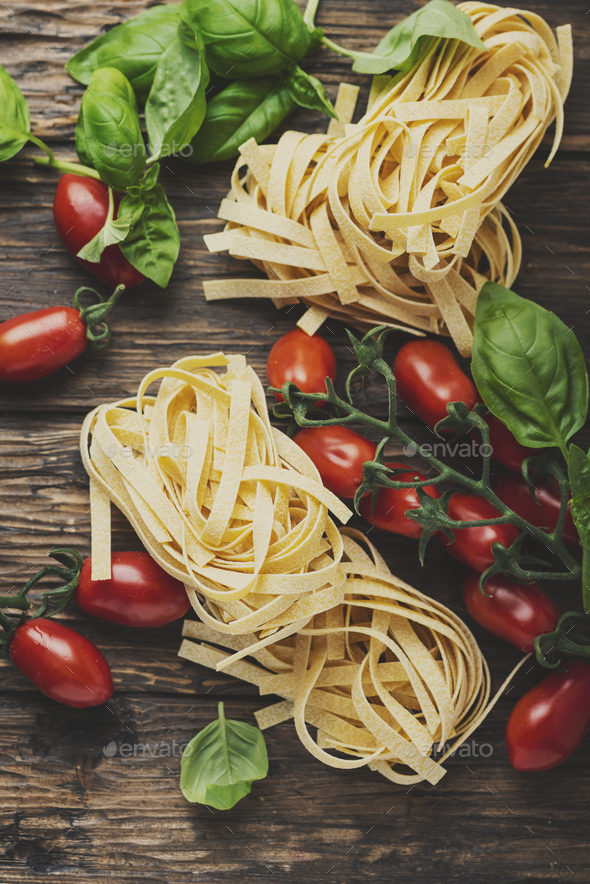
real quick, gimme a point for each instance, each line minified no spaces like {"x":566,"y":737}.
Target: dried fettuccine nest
{"x":397,"y":219}
{"x":220,"y":499}
{"x":386,"y":676}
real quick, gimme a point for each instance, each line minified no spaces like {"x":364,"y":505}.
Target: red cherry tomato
{"x":514,"y":492}
{"x":35,"y":344}
{"x":306,"y":360}
{"x":505,"y":449}
{"x":392,"y":504}
{"x":516,"y":613}
{"x":548,"y":724}
{"x":61,"y":663}
{"x":80,"y":208}
{"x":428,"y":376}
{"x":339,"y":454}
{"x":139,"y":593}
{"x":473,"y":546}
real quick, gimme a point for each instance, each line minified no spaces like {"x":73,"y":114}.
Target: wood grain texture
{"x":68,"y":809}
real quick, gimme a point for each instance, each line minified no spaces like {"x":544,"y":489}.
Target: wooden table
{"x":68,"y":809}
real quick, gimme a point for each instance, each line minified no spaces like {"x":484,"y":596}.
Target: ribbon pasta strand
{"x":398,"y":219}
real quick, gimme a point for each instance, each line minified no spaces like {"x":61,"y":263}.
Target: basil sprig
{"x":220,"y":764}
{"x":176,"y":104}
{"x":133,"y":47}
{"x":529,"y":368}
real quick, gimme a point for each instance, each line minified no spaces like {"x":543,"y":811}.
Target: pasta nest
{"x":397,"y":219}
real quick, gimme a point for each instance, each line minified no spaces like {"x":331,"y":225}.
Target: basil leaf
{"x":529,"y":368}
{"x":309,"y":92}
{"x":245,"y":109}
{"x":247,"y":38}
{"x":401,"y":46}
{"x":153,"y":243}
{"x":176,"y":104}
{"x":579,"y":476}
{"x":114,"y":139}
{"x":220,"y":764}
{"x":15,"y":124}
{"x":102,"y":80}
{"x":132,"y":47}
{"x":114,"y":231}
{"x":147,"y":181}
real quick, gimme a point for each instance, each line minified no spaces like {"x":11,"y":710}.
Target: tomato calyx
{"x":551,"y":645}
{"x":53,"y":600}
{"x":94,"y":315}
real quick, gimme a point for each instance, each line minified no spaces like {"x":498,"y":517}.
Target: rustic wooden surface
{"x":69,"y":810}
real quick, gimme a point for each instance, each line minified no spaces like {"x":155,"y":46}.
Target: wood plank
{"x":68,"y":809}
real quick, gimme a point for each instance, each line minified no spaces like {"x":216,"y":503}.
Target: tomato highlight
{"x":339,"y":454}
{"x":306,"y":360}
{"x":473,"y":546}
{"x":80,"y":209}
{"x":36,"y":344}
{"x":514,"y":492}
{"x":514,"y":612}
{"x":139,"y":592}
{"x":391,"y":506}
{"x":548,"y":724}
{"x":61,"y":663}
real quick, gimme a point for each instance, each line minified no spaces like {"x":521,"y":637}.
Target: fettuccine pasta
{"x":386,"y":677}
{"x":220,"y":499}
{"x":237,"y":511}
{"x":397,"y":219}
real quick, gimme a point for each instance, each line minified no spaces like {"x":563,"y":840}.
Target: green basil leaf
{"x":401,"y":46}
{"x":529,"y":368}
{"x":245,"y":109}
{"x":114,"y":139}
{"x":15,"y":124}
{"x":579,"y":476}
{"x":132,"y":47}
{"x":108,"y":80}
{"x":309,"y":92}
{"x":247,"y":38}
{"x":220,"y":764}
{"x":153,"y":243}
{"x":147,"y":181}
{"x":114,"y":231}
{"x":176,"y":104}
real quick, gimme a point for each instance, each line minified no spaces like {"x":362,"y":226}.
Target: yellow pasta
{"x":237,"y":511}
{"x":386,"y":676}
{"x":398,"y":219}
{"x":220,"y":499}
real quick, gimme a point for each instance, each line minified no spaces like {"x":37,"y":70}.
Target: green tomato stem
{"x":43,"y":146}
{"x":310,"y":12}
{"x":336,"y":48}
{"x":65,"y":166}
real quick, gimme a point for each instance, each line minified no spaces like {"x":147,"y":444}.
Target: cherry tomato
{"x":548,"y":724}
{"x":139,"y":593}
{"x":514,"y":492}
{"x":35,"y":344}
{"x":80,"y":208}
{"x":428,"y":376}
{"x":505,"y":448}
{"x":339,"y":454}
{"x":516,"y":613}
{"x":61,"y":663}
{"x":306,"y":360}
{"x":392,"y":504}
{"x":473,"y":546}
